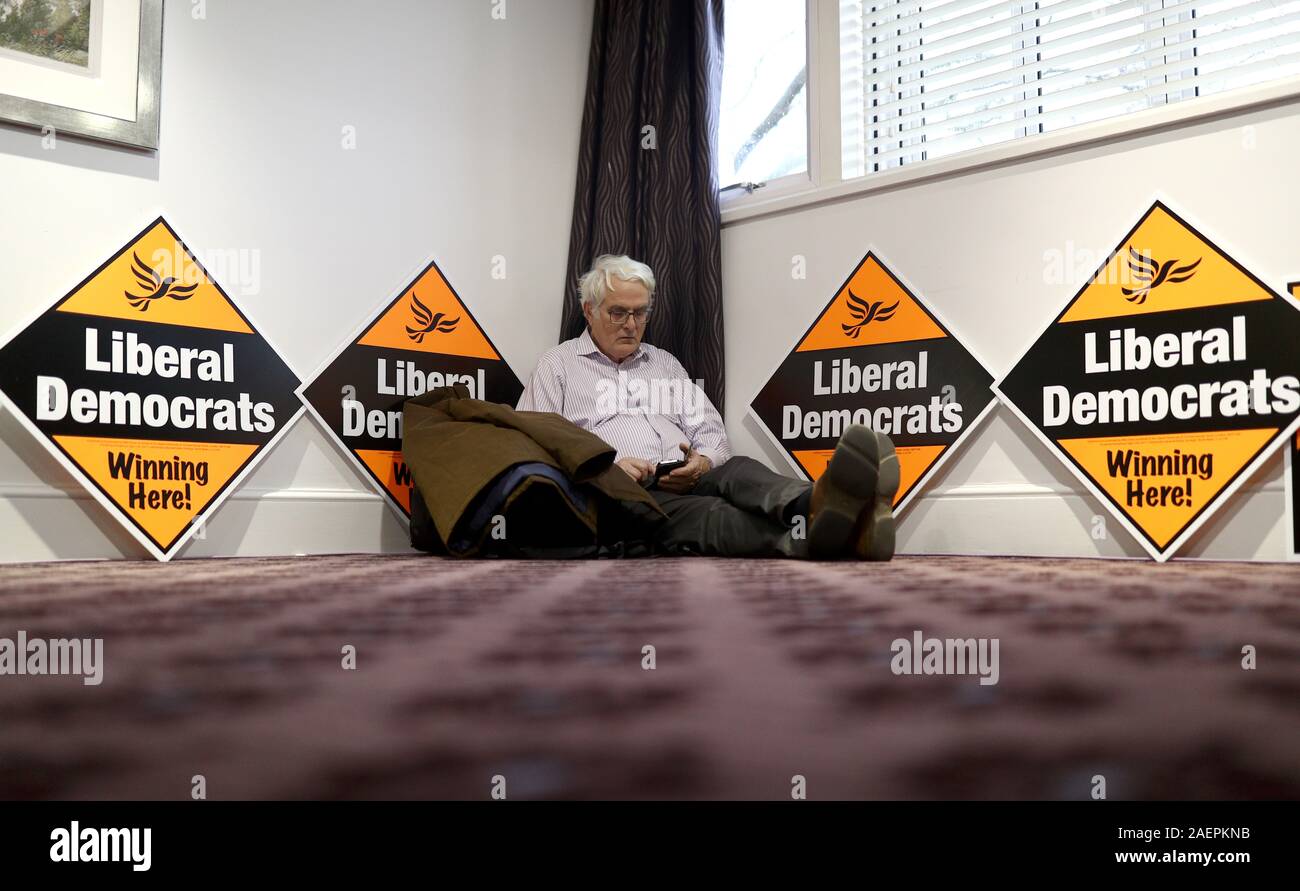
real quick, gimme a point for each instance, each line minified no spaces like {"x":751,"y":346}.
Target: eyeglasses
{"x":618,"y":315}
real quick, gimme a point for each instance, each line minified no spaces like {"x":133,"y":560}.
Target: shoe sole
{"x":863,"y":471}
{"x":877,"y":541}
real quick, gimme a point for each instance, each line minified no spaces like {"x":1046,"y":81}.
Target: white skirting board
{"x":1019,"y":521}
{"x":48,"y":523}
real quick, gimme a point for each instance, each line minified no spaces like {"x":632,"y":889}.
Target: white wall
{"x":974,"y":245}
{"x":467,"y":134}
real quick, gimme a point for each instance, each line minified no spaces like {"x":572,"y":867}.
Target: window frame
{"x":824,"y":183}
{"x":735,"y":195}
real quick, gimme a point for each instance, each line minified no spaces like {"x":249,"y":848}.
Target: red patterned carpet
{"x":764,"y":670}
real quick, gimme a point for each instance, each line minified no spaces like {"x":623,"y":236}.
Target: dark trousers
{"x":740,"y":509}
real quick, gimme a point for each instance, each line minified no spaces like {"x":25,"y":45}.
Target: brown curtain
{"x":655,"y":63}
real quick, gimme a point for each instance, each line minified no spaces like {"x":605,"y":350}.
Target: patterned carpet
{"x":230,"y":669}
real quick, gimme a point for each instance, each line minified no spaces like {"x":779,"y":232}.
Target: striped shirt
{"x":643,"y":407}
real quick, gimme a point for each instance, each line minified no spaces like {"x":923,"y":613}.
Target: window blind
{"x":924,"y":80}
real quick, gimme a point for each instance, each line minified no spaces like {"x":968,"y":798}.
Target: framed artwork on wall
{"x":87,"y":67}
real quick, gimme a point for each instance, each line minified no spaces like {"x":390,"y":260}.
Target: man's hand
{"x":684,"y":478}
{"x":637,"y":468}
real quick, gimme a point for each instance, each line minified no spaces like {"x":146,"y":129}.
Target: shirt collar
{"x":587,"y":347}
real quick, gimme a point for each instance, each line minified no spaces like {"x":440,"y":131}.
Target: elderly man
{"x":639,"y":399}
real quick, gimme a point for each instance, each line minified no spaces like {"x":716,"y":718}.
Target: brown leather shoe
{"x":873,"y":536}
{"x":851,"y":511}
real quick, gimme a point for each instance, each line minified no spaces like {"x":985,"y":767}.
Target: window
{"x":763,"y":124}
{"x":925,"y":80}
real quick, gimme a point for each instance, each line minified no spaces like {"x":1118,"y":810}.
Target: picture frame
{"x":112,"y":96}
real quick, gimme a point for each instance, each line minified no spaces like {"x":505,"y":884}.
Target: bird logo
{"x":157,"y":286}
{"x":866,"y":313}
{"x":1150,"y":275}
{"x":429,"y":322}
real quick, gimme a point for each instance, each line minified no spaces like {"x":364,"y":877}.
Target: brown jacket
{"x":456,"y":447}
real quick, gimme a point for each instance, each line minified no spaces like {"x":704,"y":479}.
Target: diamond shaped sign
{"x":878,"y":356}
{"x":151,"y":387}
{"x":1165,"y":381}
{"x":424,"y":338}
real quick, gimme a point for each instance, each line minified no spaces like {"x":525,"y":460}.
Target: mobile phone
{"x":667,"y":467}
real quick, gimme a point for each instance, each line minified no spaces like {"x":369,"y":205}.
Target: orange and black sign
{"x":1165,"y":381}
{"x":424,"y":339}
{"x":151,"y":386}
{"x":877,"y":356}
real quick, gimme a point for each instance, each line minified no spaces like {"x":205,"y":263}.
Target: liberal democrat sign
{"x":1165,"y":381}
{"x":151,"y":387}
{"x":424,"y":338}
{"x":876,"y":356}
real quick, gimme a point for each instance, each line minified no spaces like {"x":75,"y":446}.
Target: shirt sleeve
{"x":545,"y":390}
{"x":699,"y":420}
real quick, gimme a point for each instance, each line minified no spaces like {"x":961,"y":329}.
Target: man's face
{"x":618,"y":340}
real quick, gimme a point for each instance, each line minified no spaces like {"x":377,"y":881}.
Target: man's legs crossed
{"x":711,"y":526}
{"x":751,"y":486}
{"x":849,"y":510}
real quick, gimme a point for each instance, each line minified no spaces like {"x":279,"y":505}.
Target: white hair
{"x":595,"y":286}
